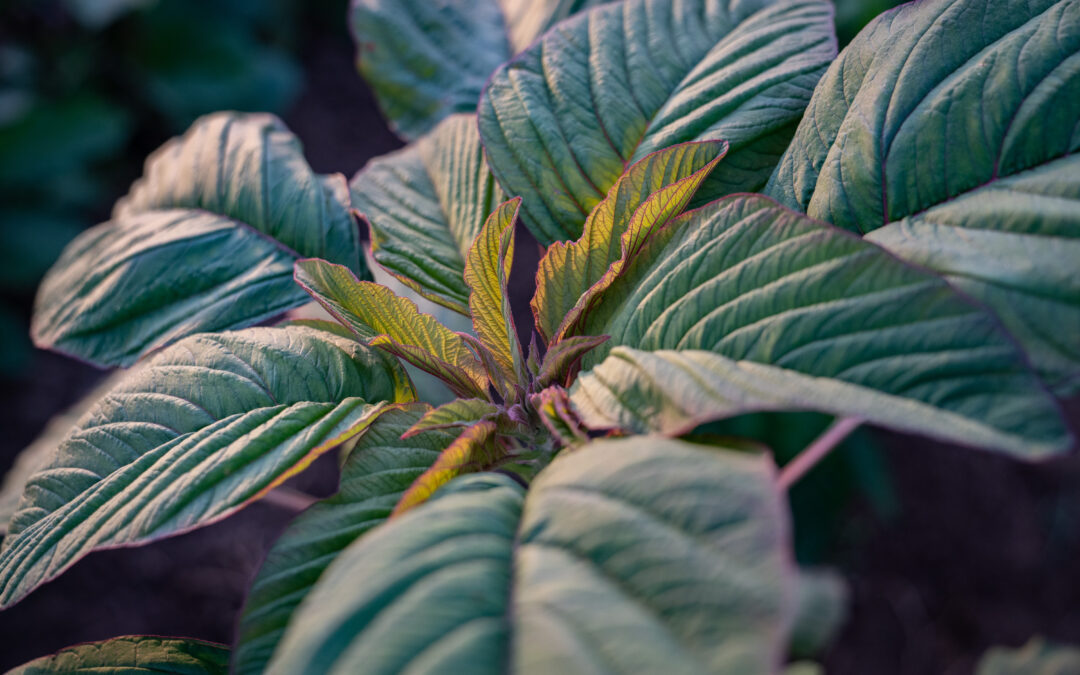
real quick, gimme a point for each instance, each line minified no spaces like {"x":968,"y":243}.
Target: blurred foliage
{"x":89,"y":87}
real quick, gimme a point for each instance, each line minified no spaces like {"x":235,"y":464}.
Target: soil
{"x":981,"y":551}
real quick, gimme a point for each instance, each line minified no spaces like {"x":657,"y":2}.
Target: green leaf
{"x":563,"y":358}
{"x":558,"y":415}
{"x":1037,"y":657}
{"x":203,"y":429}
{"x":562,"y":121}
{"x":627,"y":556}
{"x":461,"y":412}
{"x":134,"y":654}
{"x":373,"y":478}
{"x":205,"y":241}
{"x":425,"y":205}
{"x":673,"y":392}
{"x":487,"y":272}
{"x":653,"y":191}
{"x":822,"y":611}
{"x":476,"y":449}
{"x":835,"y":315}
{"x":426,"y":61}
{"x":393,"y":323}
{"x":952,"y":127}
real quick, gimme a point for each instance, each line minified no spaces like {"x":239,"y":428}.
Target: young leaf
{"x":642,"y":555}
{"x":385,"y":320}
{"x":561,"y":122}
{"x":375,"y":475}
{"x":563,"y":358}
{"x":133,"y":654}
{"x":424,"y":206}
{"x":651,"y":192}
{"x":204,"y":241}
{"x":558,"y":415}
{"x":751,"y":281}
{"x":462,"y":412}
{"x":203,"y":429}
{"x":476,"y":449}
{"x":878,"y":152}
{"x":426,"y":61}
{"x":487,"y":272}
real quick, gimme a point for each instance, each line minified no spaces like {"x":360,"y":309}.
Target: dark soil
{"x":982,"y":551}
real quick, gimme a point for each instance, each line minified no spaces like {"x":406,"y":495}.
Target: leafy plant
{"x":600,"y":527}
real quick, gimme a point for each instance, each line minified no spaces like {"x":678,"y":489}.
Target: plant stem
{"x":816,"y":451}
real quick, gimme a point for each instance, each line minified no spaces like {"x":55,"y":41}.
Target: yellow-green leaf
{"x":476,"y":449}
{"x":133,"y":654}
{"x":392,"y":323}
{"x":564,"y":357}
{"x":487,"y":269}
{"x":648,"y":195}
{"x":460,"y":412}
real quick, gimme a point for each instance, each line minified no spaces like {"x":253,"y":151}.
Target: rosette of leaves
{"x":664,"y":301}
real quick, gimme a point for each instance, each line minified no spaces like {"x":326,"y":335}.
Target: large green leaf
{"x":754,"y":282}
{"x":953,"y":126}
{"x":561,"y":122}
{"x":675,"y":391}
{"x":425,"y":204}
{"x":640,"y":555}
{"x":205,"y":241}
{"x":206,"y":427}
{"x":133,"y":654}
{"x":428,"y":60}
{"x":375,"y":475}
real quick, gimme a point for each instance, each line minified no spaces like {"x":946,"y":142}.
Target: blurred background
{"x":946,"y":551}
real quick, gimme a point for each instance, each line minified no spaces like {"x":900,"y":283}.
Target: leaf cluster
{"x":736,"y":219}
